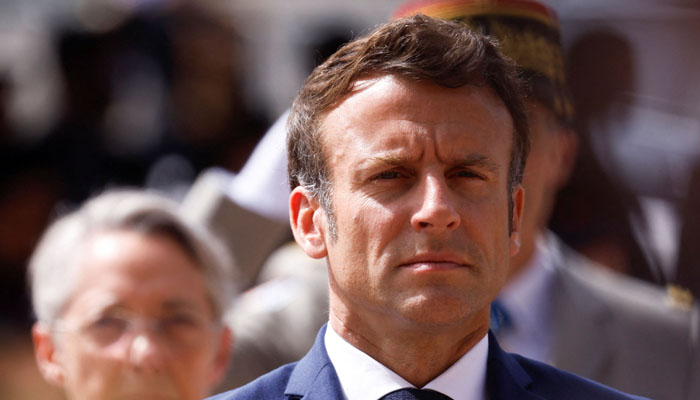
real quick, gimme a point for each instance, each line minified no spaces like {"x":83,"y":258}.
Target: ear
{"x":223,"y":356}
{"x":518,"y":204}
{"x":566,"y":150}
{"x":46,"y":355}
{"x":306,"y":218}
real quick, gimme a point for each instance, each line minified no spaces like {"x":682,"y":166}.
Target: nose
{"x":436,"y":212}
{"x":145,"y":354}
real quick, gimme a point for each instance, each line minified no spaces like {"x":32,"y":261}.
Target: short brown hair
{"x":419,"y":48}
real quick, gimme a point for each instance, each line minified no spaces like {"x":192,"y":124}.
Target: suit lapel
{"x":583,"y":339}
{"x":314,"y":377}
{"x":505,"y":378}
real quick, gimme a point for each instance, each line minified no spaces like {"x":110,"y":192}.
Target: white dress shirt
{"x":364,"y":378}
{"x":527,"y":299}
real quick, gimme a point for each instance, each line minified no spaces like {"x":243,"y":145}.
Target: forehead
{"x":393,"y":112}
{"x":137,"y":270}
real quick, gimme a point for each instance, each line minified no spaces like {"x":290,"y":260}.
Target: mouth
{"x":434,"y":263}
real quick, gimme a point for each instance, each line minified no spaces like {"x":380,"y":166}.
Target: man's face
{"x":139,"y":325}
{"x":420,"y":197}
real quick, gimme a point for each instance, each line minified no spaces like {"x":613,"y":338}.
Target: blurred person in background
{"x":599,"y":226}
{"x":129,"y":299}
{"x":152,"y":92}
{"x":149,"y":93}
{"x":631,"y":202}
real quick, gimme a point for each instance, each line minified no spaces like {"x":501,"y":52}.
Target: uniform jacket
{"x":623,"y":332}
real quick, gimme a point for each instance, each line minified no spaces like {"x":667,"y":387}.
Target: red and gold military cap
{"x":528,"y":32}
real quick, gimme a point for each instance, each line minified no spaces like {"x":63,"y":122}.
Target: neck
{"x":418,"y":353}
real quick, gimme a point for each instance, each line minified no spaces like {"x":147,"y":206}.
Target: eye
{"x":180,"y":320}
{"x":179,"y":325}
{"x":108,"y":322}
{"x":183,"y":329}
{"x":466,"y":173}
{"x":390,"y":174}
{"x":107,"y":329}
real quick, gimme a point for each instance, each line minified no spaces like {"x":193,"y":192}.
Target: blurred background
{"x":149,"y":93}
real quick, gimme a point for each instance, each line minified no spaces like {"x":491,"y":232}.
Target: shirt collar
{"x":362,"y":377}
{"x":527,"y":299}
{"x":525,"y":296}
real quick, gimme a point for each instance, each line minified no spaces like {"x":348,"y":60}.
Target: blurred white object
{"x":262,"y":185}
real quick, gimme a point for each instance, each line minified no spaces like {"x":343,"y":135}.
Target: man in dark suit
{"x":406,"y":151}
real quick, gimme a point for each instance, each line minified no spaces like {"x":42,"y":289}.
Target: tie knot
{"x":415,"y":394}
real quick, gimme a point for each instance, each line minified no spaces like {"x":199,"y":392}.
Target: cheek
{"x":376,"y":233}
{"x":203,"y":361}
{"x":353,"y":251}
{"x":487,"y":224}
{"x":487,"y":217}
{"x":194,"y":374}
{"x":89,"y":374}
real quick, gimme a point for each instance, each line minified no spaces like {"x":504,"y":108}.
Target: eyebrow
{"x":179,"y":304}
{"x":359,"y":169}
{"x":103,"y":305}
{"x":475,"y":160}
{"x":470,"y":160}
{"x":388,"y":160}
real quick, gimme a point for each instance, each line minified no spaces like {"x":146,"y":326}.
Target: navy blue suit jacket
{"x":508,"y":377}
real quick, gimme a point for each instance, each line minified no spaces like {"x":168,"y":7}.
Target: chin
{"x":438,"y":312}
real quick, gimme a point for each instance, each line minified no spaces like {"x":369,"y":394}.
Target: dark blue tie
{"x":415,"y":394}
